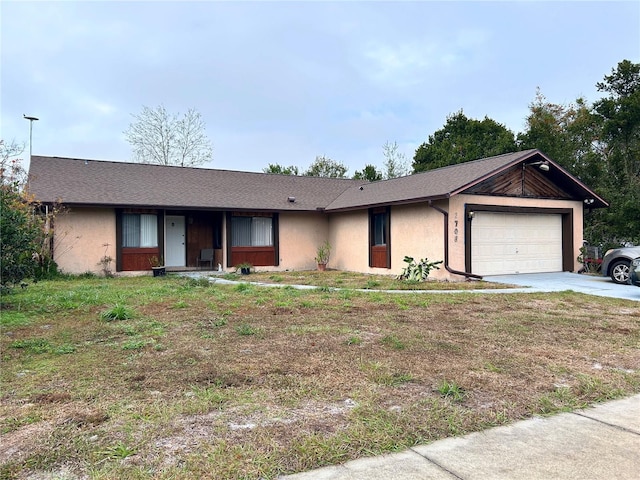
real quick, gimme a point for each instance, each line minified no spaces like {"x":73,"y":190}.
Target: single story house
{"x":514,"y":213}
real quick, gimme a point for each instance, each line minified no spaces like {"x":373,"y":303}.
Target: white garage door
{"x":507,"y":243}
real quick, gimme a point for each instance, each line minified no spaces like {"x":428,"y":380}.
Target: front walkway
{"x":528,"y":283}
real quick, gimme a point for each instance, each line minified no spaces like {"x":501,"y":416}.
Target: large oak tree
{"x":463,"y":139}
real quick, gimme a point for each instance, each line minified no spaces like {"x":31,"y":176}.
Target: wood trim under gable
{"x":520,"y":181}
{"x":567,"y":228}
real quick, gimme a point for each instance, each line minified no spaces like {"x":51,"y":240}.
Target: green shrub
{"x":417,"y":272}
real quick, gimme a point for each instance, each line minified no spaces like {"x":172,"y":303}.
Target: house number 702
{"x":455,"y":230}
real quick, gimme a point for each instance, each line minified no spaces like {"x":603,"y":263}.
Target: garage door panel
{"x":506,"y":243}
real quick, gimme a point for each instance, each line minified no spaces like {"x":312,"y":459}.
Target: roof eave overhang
{"x":408,"y":201}
{"x":590,"y":198}
{"x":175,"y":207}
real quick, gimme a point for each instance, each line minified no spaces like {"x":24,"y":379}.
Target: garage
{"x":508,"y":243}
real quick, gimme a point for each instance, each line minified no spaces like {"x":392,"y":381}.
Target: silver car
{"x":616,"y":262}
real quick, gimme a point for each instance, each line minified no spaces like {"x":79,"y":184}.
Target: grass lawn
{"x":158,"y":378}
{"x":358,"y":281}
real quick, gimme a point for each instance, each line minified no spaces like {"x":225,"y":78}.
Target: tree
{"x":325,"y":167}
{"x":395,"y":162}
{"x":166,"y":139}
{"x":600,"y":144}
{"x":619,"y":113}
{"x":566,"y":133}
{"x":20,"y":229}
{"x":278,"y":169}
{"x":369,"y":173}
{"x":11,"y":171}
{"x":461,"y":140}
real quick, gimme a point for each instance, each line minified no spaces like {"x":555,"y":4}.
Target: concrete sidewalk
{"x":602,"y":442}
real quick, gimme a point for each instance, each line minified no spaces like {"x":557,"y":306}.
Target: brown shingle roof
{"x":447,"y":181}
{"x":439,"y":183}
{"x":92,"y":182}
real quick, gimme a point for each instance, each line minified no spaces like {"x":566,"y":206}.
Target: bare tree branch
{"x":165,"y":139}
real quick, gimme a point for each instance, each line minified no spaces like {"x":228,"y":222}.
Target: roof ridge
{"x":155,"y":165}
{"x":482,"y":159}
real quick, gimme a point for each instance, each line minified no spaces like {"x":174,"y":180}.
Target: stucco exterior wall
{"x":80,"y":236}
{"x":300,"y":234}
{"x":456,"y":213}
{"x":416,"y":231}
{"x":349,"y":237}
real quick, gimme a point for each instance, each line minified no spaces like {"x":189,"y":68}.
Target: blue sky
{"x":282,"y":82}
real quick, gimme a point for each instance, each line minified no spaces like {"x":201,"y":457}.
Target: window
{"x":253,"y":238}
{"x":251,"y":231}
{"x":139,"y":230}
{"x":379,"y":221}
{"x":379,"y":238}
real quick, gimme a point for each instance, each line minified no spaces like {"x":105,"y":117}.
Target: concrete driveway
{"x":561,"y":281}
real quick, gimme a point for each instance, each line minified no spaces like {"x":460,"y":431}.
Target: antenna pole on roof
{"x":31,"y":119}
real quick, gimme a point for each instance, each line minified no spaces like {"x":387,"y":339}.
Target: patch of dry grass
{"x":239,"y":382}
{"x":352,"y":280}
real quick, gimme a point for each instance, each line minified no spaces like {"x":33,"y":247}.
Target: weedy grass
{"x":40,"y":345}
{"x":394,"y":342}
{"x":11,"y":319}
{"x":450,"y":389}
{"x":339,"y":279}
{"x":117,"y":312}
{"x":245,"y":329}
{"x":239,"y":381}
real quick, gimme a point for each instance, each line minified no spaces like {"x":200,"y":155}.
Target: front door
{"x":176,"y":244}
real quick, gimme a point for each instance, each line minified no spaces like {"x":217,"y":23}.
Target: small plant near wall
{"x":417,"y":271}
{"x":105,"y":262}
{"x":322,"y":255}
{"x":244,"y":268}
{"x":157,"y":265}
{"x":590,"y":259}
{"x":105,"y":266}
{"x":156,"y":261}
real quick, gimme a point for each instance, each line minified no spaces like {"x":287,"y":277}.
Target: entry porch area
{"x":177,"y":239}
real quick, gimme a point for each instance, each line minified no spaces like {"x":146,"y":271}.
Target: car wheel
{"x":620,"y":271}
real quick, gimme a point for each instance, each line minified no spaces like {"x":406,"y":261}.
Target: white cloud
{"x":400,"y":65}
{"x":408,"y":63}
